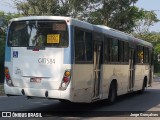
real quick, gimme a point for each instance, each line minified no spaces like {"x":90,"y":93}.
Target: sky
{"x":149,"y":5}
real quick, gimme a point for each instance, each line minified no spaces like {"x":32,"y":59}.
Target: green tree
{"x":117,"y":14}
{"x":153,"y":37}
{"x":36,"y":7}
{"x":148,"y":18}
{"x":73,"y":8}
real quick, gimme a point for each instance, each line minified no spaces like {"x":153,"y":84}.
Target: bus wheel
{"x":143,"y":86}
{"x":112,"y":93}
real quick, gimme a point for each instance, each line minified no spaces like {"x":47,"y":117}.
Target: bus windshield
{"x":36,"y":33}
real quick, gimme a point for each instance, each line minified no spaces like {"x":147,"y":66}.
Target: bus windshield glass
{"x":38,"y":34}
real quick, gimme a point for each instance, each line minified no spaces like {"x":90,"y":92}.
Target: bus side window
{"x":107,"y":49}
{"x":88,"y":41}
{"x":121,"y":51}
{"x":79,"y":46}
{"x":140,"y":54}
{"x":126,"y":52}
{"x":114,"y":50}
{"x":146,"y":55}
{"x":83,"y":46}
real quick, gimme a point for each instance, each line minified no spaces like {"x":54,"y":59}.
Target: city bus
{"x":66,"y":59}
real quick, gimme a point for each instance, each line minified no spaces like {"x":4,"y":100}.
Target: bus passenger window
{"x":106,"y":50}
{"x":83,"y":46}
{"x":114,"y":50}
{"x":121,"y":51}
{"x":88,"y":40}
{"x":146,"y":55}
{"x":126,"y":52}
{"x":140,"y":54}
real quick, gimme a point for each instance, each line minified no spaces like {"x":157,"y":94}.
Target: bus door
{"x":131,"y":69}
{"x":97,"y":67}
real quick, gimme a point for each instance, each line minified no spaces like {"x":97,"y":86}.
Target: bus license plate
{"x":35,"y":80}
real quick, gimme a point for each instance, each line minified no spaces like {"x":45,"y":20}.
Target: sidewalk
{"x":156,"y":79}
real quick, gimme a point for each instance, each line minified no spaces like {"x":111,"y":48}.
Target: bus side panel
{"x":140,"y":72}
{"x":117,"y":72}
{"x":83,"y":82}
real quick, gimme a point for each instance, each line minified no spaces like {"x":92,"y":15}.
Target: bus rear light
{"x":8,"y":77}
{"x":66,"y":80}
{"x":67,"y":73}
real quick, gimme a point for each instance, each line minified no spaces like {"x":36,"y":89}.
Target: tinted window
{"x":146,"y":55}
{"x":115,"y":50}
{"x":126,"y":52}
{"x":106,"y":50}
{"x":38,"y":33}
{"x":83,"y":46}
{"x":140,"y":54}
{"x":121,"y":51}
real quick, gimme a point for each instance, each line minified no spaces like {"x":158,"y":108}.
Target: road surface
{"x":126,"y":105}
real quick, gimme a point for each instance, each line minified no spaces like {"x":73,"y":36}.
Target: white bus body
{"x":78,"y":65}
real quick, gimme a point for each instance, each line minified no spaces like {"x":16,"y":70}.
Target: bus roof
{"x":124,"y":36}
{"x":41,"y":18}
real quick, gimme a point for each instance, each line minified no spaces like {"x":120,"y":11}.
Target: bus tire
{"x":112,"y":93}
{"x":143,"y":86}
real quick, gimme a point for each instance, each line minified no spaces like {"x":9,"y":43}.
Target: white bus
{"x":62,"y":58}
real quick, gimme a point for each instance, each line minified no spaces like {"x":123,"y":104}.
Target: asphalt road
{"x":126,"y":105}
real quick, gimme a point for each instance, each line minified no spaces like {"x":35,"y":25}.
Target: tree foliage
{"x":117,"y":14}
{"x":153,"y":37}
{"x":147,"y":19}
{"x":73,"y":8}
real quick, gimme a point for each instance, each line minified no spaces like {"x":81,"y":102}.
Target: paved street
{"x":125,"y":106}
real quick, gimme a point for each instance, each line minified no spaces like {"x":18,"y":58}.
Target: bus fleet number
{"x":47,"y":61}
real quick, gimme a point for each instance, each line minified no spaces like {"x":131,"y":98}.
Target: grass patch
{"x":1,"y":89}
